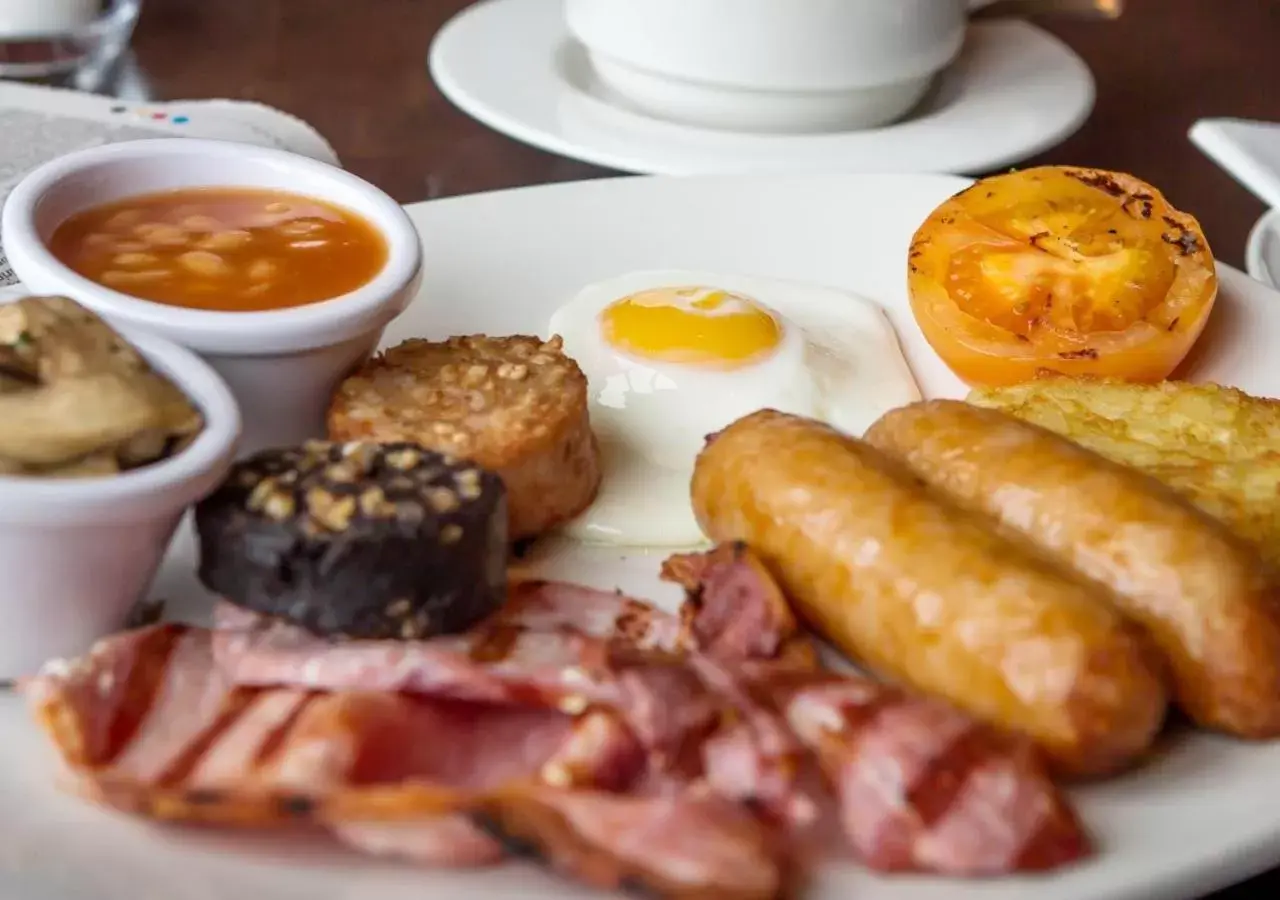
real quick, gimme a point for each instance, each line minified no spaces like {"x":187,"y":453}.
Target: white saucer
{"x":1015,"y":91}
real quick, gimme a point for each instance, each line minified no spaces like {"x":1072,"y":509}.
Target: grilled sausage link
{"x":1204,"y":595}
{"x":925,"y":594}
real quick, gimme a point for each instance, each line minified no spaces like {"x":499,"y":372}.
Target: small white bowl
{"x":77,"y":554}
{"x":282,"y":365}
{"x":1262,"y":253}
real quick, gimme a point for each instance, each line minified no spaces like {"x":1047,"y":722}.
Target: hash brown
{"x":1217,"y":446}
{"x":516,"y":405}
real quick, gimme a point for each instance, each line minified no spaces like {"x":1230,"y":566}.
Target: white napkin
{"x":1249,"y":151}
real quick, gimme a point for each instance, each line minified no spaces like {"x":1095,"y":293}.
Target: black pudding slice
{"x":364,"y":540}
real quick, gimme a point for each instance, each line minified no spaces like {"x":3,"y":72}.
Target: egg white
{"x":838,"y":360}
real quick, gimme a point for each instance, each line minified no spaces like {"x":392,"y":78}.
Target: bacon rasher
{"x":620,"y":744}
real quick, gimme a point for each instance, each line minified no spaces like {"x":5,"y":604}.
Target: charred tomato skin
{"x":1080,"y":272}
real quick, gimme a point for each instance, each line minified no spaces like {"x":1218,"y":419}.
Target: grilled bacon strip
{"x":922,"y":787}
{"x":914,"y":784}
{"x":734,"y":610}
{"x":571,"y":724}
{"x":709,"y":702}
{"x":558,"y":645}
{"x":147,"y":725}
{"x":555,"y":645}
{"x":919,"y":786}
{"x":533,"y":651}
{"x":540,"y":646}
{"x":683,"y":844}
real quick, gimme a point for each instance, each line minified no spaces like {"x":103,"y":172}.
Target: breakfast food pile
{"x":1028,"y":581}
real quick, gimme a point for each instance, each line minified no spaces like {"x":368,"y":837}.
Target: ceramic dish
{"x":89,"y":547}
{"x":1014,"y":91}
{"x":1199,"y":817}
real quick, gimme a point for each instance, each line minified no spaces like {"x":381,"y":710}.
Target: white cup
{"x":282,"y":365}
{"x":770,"y":65}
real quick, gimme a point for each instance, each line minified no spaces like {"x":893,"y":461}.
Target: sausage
{"x":1204,"y":594}
{"x":924,"y":594}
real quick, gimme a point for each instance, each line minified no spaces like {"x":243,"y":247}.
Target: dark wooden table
{"x":356,"y":70}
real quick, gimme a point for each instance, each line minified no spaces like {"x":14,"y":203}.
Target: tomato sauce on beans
{"x":226,"y":249}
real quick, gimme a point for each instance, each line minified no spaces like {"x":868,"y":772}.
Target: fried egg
{"x":671,"y":357}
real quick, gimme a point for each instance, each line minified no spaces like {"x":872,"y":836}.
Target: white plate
{"x":1202,"y":816}
{"x":1015,"y":91}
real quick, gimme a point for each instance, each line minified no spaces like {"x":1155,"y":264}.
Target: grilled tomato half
{"x":1061,"y":269}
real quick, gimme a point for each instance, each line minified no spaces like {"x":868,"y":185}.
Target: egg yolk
{"x":696,"y":325}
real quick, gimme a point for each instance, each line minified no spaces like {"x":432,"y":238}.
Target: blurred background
{"x":355,"y":69}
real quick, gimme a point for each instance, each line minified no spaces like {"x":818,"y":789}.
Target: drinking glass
{"x":72,"y":42}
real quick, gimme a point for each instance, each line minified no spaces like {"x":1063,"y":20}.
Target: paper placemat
{"x":39,"y":123}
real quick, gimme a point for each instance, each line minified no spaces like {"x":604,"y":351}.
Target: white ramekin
{"x":770,"y":65}
{"x":78,"y":553}
{"x":282,"y":365}
{"x":1262,"y":253}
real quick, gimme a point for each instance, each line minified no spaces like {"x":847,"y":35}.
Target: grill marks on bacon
{"x":251,"y":736}
{"x":923,"y":787}
{"x":917,"y":785}
{"x":115,"y":682}
{"x":187,"y":745}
